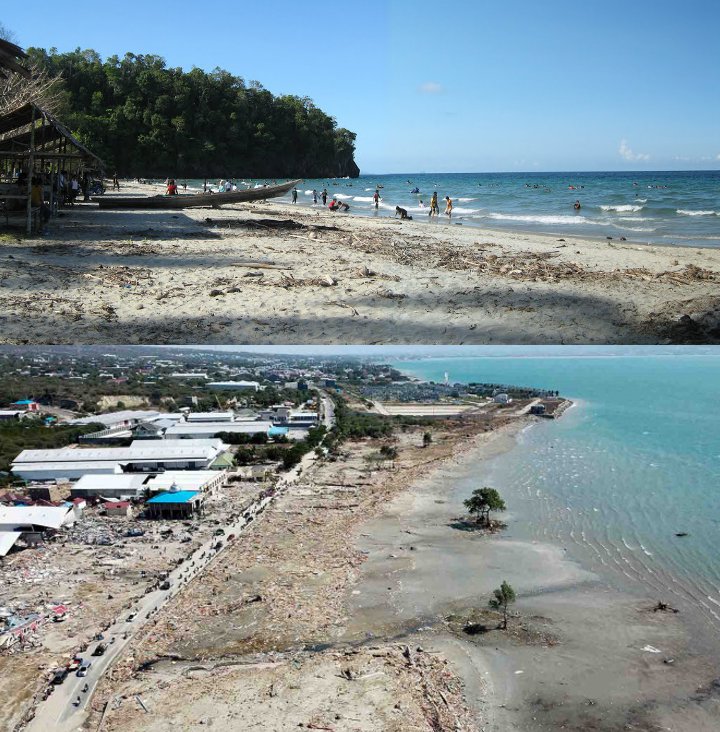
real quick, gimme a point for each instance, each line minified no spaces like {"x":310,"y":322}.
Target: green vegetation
{"x":145,"y":119}
{"x":503,"y":596}
{"x":482,"y":501}
{"x":351,"y":424}
{"x":288,"y":453}
{"x":30,"y":434}
{"x":240,"y":438}
{"x":427,"y":439}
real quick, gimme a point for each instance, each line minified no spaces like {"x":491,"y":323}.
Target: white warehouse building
{"x":71,"y":463}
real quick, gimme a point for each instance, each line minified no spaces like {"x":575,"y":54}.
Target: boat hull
{"x":196,"y":200}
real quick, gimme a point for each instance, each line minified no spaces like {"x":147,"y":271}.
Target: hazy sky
{"x":463,"y":86}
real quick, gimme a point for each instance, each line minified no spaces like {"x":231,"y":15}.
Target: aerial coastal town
{"x":144,"y":489}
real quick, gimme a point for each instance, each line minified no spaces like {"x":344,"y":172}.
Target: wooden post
{"x":53,"y":212}
{"x":31,"y":162}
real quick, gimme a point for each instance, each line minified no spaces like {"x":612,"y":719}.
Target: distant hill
{"x":145,"y":119}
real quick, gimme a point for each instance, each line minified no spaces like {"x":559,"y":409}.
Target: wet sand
{"x":580,"y":656}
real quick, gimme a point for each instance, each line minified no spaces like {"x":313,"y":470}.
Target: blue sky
{"x":466,"y":86}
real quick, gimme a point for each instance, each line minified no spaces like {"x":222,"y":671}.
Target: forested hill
{"x":145,"y":119}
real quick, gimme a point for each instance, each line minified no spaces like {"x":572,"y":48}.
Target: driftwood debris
{"x":281,"y":224}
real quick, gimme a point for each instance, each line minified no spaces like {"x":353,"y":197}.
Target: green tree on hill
{"x":146,"y":119}
{"x":482,"y":502}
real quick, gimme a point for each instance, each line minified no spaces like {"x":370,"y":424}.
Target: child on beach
{"x":448,"y":206}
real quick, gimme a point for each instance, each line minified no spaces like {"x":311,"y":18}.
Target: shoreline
{"x":239,"y":274}
{"x":462,"y":219}
{"x":558,"y":601}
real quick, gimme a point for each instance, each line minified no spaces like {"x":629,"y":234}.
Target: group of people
{"x":435,"y":208}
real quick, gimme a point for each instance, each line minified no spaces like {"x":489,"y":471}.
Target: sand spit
{"x":275,"y":273}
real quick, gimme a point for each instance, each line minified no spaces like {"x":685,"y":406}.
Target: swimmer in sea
{"x":448,"y":206}
{"x":577,"y":205}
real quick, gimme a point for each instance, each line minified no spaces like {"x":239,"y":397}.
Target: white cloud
{"x":718,"y":157}
{"x":628,"y":154}
{"x":431,"y":87}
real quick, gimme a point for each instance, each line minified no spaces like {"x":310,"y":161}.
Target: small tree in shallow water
{"x":503,"y":596}
{"x":482,"y":501}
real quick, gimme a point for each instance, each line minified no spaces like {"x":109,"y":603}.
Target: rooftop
{"x":175,"y":497}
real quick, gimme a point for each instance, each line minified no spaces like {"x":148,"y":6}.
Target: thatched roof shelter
{"x":30,"y":129}
{"x":35,"y":142}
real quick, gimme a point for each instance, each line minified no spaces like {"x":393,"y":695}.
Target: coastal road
{"x":61,"y":711}
{"x":327,"y":410}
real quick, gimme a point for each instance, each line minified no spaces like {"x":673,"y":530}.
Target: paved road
{"x":327,"y":410}
{"x":61,"y":712}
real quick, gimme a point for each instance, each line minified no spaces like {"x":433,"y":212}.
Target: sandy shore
{"x":580,"y":655}
{"x":231,"y":275}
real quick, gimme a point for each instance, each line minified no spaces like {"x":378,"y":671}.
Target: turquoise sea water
{"x":680,"y":208}
{"x":636,"y":461}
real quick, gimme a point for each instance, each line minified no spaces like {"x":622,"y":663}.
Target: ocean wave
{"x":465,"y":200}
{"x":627,"y":208}
{"x":363,"y":198}
{"x":692,"y":212}
{"x":548,"y":219}
{"x":634,"y":219}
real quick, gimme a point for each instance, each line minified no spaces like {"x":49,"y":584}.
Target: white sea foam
{"x":465,"y":200}
{"x":691,"y":212}
{"x":627,"y":208}
{"x":546,"y":219}
{"x":363,"y":198}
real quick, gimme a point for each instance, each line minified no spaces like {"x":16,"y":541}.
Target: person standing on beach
{"x":294,"y":195}
{"x":376,"y":198}
{"x":448,"y":206}
{"x":324,"y":196}
{"x":116,"y":182}
{"x":314,"y":196}
{"x":434,"y":209}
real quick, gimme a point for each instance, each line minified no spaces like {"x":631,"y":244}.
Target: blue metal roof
{"x":174,"y":497}
{"x":276,"y":431}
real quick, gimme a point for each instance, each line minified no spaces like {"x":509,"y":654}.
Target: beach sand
{"x":580,"y":655}
{"x":231,"y":276}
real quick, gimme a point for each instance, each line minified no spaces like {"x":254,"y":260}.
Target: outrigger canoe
{"x":195,"y":200}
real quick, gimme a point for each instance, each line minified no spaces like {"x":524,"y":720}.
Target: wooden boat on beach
{"x":195,"y":200}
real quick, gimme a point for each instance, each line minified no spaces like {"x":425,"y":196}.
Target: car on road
{"x":219,"y":532}
{"x":165,"y":585}
{"x":100,"y":649}
{"x":130,"y":618}
{"x":59,"y":675}
{"x":84,"y":668}
{"x":74,"y":665}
